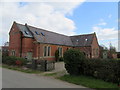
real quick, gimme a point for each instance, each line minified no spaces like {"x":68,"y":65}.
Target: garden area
{"x":18,"y":64}
{"x":93,"y":73}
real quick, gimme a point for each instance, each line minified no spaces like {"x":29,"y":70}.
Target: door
{"x":29,"y":56}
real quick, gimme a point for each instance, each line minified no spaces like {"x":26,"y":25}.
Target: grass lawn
{"x":21,"y":69}
{"x":50,"y":74}
{"x":89,"y":82}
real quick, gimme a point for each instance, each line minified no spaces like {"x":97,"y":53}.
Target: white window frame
{"x":60,"y":53}
{"x":13,"y":52}
{"x":47,"y":51}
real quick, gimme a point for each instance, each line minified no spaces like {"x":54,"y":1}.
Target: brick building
{"x":5,"y":50}
{"x":31,"y":42}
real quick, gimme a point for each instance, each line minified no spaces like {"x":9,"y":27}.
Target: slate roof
{"x":24,"y":30}
{"x":82,"y":40}
{"x":44,"y":36}
{"x":48,"y":37}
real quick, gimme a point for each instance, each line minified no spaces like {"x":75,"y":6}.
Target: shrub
{"x":73,"y":61}
{"x":18,"y":62}
{"x":105,"y":69}
{"x":23,"y":60}
{"x":61,"y":59}
{"x":11,"y":60}
{"x":57,"y":55}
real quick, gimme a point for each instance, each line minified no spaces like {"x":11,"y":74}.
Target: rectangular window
{"x":60,"y":51}
{"x":48,"y":51}
{"x":13,"y":53}
{"x":45,"y":51}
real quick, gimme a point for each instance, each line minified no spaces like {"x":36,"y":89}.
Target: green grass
{"x":118,"y":58}
{"x":50,"y":74}
{"x":20,"y":69}
{"x":89,"y":82}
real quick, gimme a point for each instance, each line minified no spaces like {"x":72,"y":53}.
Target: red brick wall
{"x":86,"y":50}
{"x":95,"y":47}
{"x":14,"y":40}
{"x":39,"y":50}
{"x":27,"y":46}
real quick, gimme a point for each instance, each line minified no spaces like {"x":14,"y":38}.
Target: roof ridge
{"x":19,"y":23}
{"x":83,"y":35}
{"x":47,"y":30}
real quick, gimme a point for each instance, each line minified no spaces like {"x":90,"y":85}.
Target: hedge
{"x":12,"y":60}
{"x":105,"y":69}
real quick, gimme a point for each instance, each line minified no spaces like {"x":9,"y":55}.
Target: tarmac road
{"x":16,"y":79}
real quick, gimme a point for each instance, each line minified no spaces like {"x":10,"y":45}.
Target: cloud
{"x":106,"y":33}
{"x":46,"y":15}
{"x":102,"y":23}
{"x":107,"y":36}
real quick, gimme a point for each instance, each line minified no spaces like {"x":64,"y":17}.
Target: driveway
{"x":15,"y":79}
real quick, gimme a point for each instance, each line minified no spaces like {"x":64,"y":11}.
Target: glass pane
{"x":45,"y":51}
{"x":48,"y":51}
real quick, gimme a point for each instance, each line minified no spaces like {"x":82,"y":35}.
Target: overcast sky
{"x":68,"y":18}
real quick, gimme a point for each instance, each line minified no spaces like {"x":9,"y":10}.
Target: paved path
{"x":15,"y":79}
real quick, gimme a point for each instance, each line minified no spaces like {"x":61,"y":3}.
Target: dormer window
{"x":26,"y":32}
{"x":86,"y":39}
{"x":42,"y":34}
{"x":37,"y":33}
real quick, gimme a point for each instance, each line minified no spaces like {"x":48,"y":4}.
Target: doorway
{"x":29,"y":56}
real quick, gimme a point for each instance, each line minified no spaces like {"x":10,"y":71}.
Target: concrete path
{"x":15,"y":79}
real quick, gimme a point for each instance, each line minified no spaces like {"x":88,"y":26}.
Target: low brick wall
{"x":42,"y":65}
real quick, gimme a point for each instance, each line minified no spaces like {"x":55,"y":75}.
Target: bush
{"x":73,"y":61}
{"x":18,"y":62}
{"x":11,"y":60}
{"x":57,"y":55}
{"x":61,"y":59}
{"x":105,"y":69}
{"x":23,"y":60}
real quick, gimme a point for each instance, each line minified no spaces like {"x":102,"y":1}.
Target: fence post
{"x":34,"y":64}
{"x":45,"y":65}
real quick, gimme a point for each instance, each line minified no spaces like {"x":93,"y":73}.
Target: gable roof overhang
{"x":48,"y":37}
